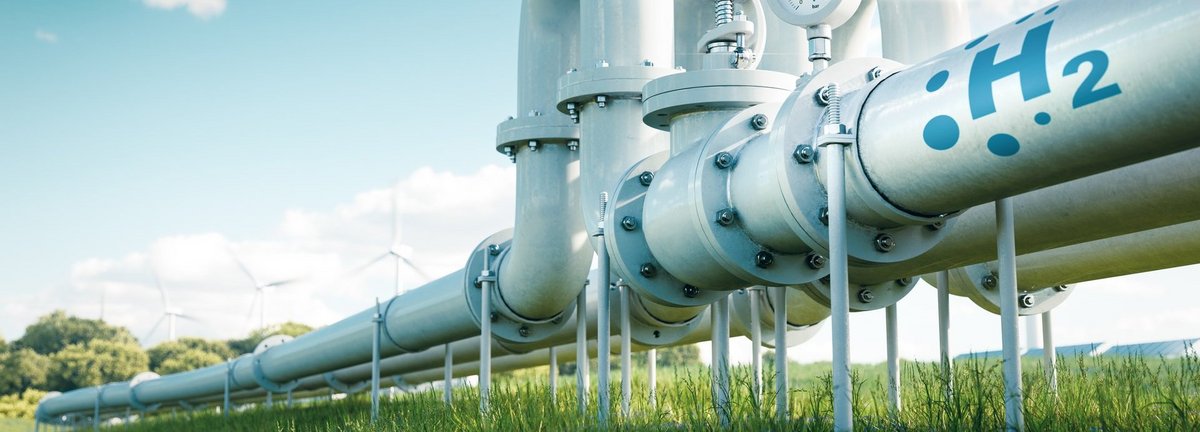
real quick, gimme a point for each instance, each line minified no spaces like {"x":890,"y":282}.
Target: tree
{"x":246,"y":345}
{"x":168,"y":350}
{"x":22,"y":369}
{"x":51,"y":333}
{"x":679,"y":356}
{"x":188,"y":360}
{"x":97,"y":362}
{"x":20,"y":405}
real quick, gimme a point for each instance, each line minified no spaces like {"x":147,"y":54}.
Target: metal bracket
{"x":269,"y":385}
{"x":342,"y":387}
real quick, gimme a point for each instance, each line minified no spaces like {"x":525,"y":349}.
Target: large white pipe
{"x":855,"y":37}
{"x":915,"y":30}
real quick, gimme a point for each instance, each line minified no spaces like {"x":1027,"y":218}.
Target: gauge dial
{"x":812,"y":12}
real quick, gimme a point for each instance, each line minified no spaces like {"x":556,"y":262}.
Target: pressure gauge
{"x":806,"y":13}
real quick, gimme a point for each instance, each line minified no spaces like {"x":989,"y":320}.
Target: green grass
{"x":15,"y":425}
{"x":1097,"y":394}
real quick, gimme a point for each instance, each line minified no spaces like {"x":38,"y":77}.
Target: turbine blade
{"x":242,"y":266}
{"x":367,"y":265}
{"x":395,"y":214}
{"x":253,"y":301}
{"x":153,"y":329}
{"x":283,"y":282}
{"x":414,"y":268}
{"x":191,"y":318}
{"x":162,"y":292}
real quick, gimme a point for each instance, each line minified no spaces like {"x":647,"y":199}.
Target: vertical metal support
{"x":228,"y":376}
{"x":755,"y":346}
{"x":603,"y":327}
{"x":96,"y":412}
{"x":839,"y":286}
{"x":1049,"y":354}
{"x":652,"y":376}
{"x":485,"y":328}
{"x":270,"y":401}
{"x":37,"y":424}
{"x":781,"y":359}
{"x":289,"y":399}
{"x":448,"y":376}
{"x":626,"y":352}
{"x":127,"y":418}
{"x":1006,"y":252}
{"x":377,"y":319}
{"x":720,"y":359}
{"x":582,"y":359}
{"x":943,"y":304}
{"x":893,"y":359}
{"x":554,"y":375}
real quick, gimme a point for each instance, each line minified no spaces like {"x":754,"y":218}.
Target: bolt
{"x":680,"y":68}
{"x":865,"y":295}
{"x":884,"y":242}
{"x":629,"y":223}
{"x":989,"y":282}
{"x":657,"y":333}
{"x":690,"y":291}
{"x":904,"y":281}
{"x":648,"y":270}
{"x":816,"y":261}
{"x":508,"y":151}
{"x":573,"y":145}
{"x":572,"y":70}
{"x":824,"y":280}
{"x":1026,"y":300}
{"x":725,"y":217}
{"x":1061,"y":288}
{"x":723,"y":160}
{"x":492,"y":317}
{"x":823,"y":216}
{"x":524,"y":331}
{"x":602,"y":101}
{"x":759,"y":122}
{"x":533,"y":146}
{"x":647,"y":62}
{"x":646,"y":177}
{"x":824,"y":93}
{"x":573,"y":111}
{"x":493,"y":249}
{"x":935,"y":226}
{"x":763,"y":259}
{"x":602,"y":63}
{"x":874,"y":73}
{"x":804,"y":154}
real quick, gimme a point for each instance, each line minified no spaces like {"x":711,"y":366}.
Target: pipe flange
{"x":978,"y":282}
{"x":646,"y":329}
{"x":342,"y":387}
{"x":545,"y":128}
{"x":267,"y":384}
{"x":882,"y":234}
{"x":711,"y":90}
{"x":133,"y":399}
{"x":751,"y":262}
{"x":740,"y":323}
{"x":863,"y":297}
{"x":578,"y":88}
{"x":631,"y":257}
{"x":506,"y":324}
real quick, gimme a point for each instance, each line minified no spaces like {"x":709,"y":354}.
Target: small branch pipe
{"x":1057,"y":96}
{"x":917,"y":30}
{"x":854,"y":38}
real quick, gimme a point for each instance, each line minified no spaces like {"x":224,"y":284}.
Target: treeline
{"x":62,"y":353}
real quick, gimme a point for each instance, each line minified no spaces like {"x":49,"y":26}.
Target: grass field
{"x":1095,"y":394}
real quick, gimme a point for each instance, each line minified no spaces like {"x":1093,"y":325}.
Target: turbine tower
{"x":260,"y":290}
{"x":169,"y":313}
{"x":400,"y":251}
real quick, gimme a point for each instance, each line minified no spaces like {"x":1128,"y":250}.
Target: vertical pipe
{"x":843,"y":417}
{"x":720,"y":359}
{"x":603,"y":329}
{"x":378,"y":320}
{"x":96,"y":412}
{"x":448,"y":376}
{"x":228,"y":372}
{"x":1049,"y":354}
{"x":781,"y":359}
{"x":893,"y":359}
{"x":270,"y":402}
{"x":582,"y":377}
{"x":554,"y":375}
{"x":626,"y":352}
{"x":289,"y":399}
{"x":755,"y":346}
{"x":652,"y":376}
{"x":1006,"y":252}
{"x":943,"y":302}
{"x":485,"y":329}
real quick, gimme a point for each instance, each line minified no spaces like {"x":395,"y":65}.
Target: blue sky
{"x":165,"y":132}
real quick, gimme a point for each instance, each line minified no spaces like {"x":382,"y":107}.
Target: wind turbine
{"x":169,"y":313}
{"x":395,"y":249}
{"x":260,"y":290}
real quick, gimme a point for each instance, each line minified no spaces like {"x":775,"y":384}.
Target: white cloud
{"x":203,"y":9}
{"x":444,"y":215}
{"x":45,"y":36}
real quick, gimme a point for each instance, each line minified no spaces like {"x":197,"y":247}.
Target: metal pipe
{"x":852,"y":38}
{"x":603,"y":314}
{"x":893,"y":360}
{"x":720,"y":359}
{"x":781,"y":359}
{"x":943,"y":24}
{"x":1049,"y":354}
{"x":1006,"y":251}
{"x":652,"y":377}
{"x":582,"y":386}
{"x":943,"y":302}
{"x":554,"y":375}
{"x":957,"y":118}
{"x":485,"y":338}
{"x":755,"y":347}
{"x":626,"y":354}
{"x":448,"y":380}
{"x":375,"y":339}
{"x":843,"y":416}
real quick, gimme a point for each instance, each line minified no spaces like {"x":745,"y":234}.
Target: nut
{"x":865,"y":295}
{"x":874,"y":73}
{"x":726,"y":217}
{"x":1026,"y":301}
{"x":723,"y":160}
{"x":645,"y":178}
{"x":905,"y":281}
{"x":1061,"y":288}
{"x":823,"y":216}
{"x":935,"y":226}
{"x":815,"y":261}
{"x":884,"y":242}
{"x":764,"y":259}
{"x":759,"y":122}
{"x":804,"y":154}
{"x":524,"y":331}
{"x":648,"y":270}
{"x":989,"y":282}
{"x":629,"y":223}
{"x":690,"y":291}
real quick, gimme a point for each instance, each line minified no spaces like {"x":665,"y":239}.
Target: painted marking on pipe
{"x":1030,"y":66}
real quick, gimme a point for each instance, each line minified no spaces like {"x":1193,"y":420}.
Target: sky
{"x":166,"y":136}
